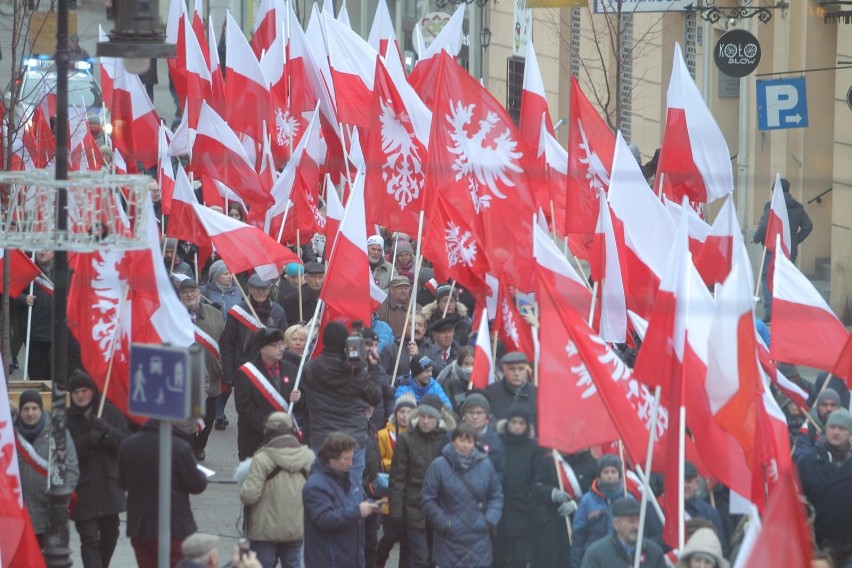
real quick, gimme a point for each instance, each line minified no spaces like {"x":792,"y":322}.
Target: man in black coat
{"x":138,"y":468}
{"x":314,"y":276}
{"x":262,"y":386}
{"x":100,"y":498}
{"x":618,"y":548}
{"x":41,"y":329}
{"x":514,"y":388}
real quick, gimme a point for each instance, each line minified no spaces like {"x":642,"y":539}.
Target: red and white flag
{"x":513,"y":331}
{"x":778,"y":222}
{"x":607,"y":270}
{"x":805,"y":331}
{"x":246,"y":88}
{"x":552,"y":266}
{"x":268,"y":23}
{"x":694,"y":157}
{"x":135,"y":121}
{"x":334,"y":213}
{"x":165,"y":171}
{"x":183,"y":222}
{"x":483,"y":366}
{"x":717,"y":253}
{"x":353,"y":66}
{"x":555,"y":178}
{"x":535,"y":115}
{"x":22,"y":271}
{"x":425,"y":73}
{"x":199,"y":81}
{"x":217,"y":96}
{"x":382,"y":31}
{"x":175,"y":30}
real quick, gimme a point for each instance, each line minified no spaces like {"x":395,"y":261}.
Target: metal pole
{"x":164,"y":519}
{"x":57,"y":552}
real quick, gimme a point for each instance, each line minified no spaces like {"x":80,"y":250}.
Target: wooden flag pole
{"x":646,"y":488}
{"x":248,"y":301}
{"x":116,"y":339}
{"x":452,"y":289}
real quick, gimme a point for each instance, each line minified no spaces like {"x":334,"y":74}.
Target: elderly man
{"x":241,"y":326}
{"x":394,"y":309}
{"x":827,"y":402}
{"x":209,"y":325}
{"x":381,"y":269}
{"x":411,"y":348}
{"x":618,"y":549}
{"x":826,"y":475}
{"x":514,"y":387}
{"x":314,"y":276}
{"x":443,"y":349}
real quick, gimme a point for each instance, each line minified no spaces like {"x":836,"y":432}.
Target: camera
{"x":357,"y":346}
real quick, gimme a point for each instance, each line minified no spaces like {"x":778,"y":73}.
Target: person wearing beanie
{"x":592,"y":520}
{"x":419,"y":381}
{"x":523,"y":457}
{"x":619,"y":547}
{"x":32,"y":424}
{"x":235,"y":344}
{"x":405,"y":260}
{"x":381,"y":269}
{"x":827,"y":402}
{"x":221,"y":289}
{"x":339,"y":393}
{"x":308,"y":294}
{"x":514,"y":388}
{"x":476,"y":411}
{"x":100,"y":498}
{"x":455,"y":378}
{"x":263,"y":386}
{"x":444,"y":299}
{"x":696,"y":507}
{"x":292,"y":278}
{"x":826,"y":475}
{"x":272,"y":493}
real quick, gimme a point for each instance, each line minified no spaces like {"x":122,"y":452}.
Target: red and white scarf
{"x":205,"y":340}
{"x":262,"y":384}
{"x":245,"y":318}
{"x":569,"y":479}
{"x":30,"y":455}
{"x":45,"y":284}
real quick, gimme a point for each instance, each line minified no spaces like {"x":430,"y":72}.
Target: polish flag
{"x":300,"y":67}
{"x":483,"y":366}
{"x":717,"y":254}
{"x":777,"y":378}
{"x":805,"y":331}
{"x":183,"y":222}
{"x":697,"y":228}
{"x":109,"y":68}
{"x":608,"y":271}
{"x":382,"y":31}
{"x":513,"y":330}
{"x":346,"y":288}
{"x":535,"y":115}
{"x":424,"y":76}
{"x":647,"y":226}
{"x":244,"y":247}
{"x":778,"y":222}
{"x":553,"y":267}
{"x":694,"y":158}
{"x":37,"y":136}
{"x":165,"y":171}
{"x":268,"y":23}
{"x":197,"y":25}
{"x":217,"y":96}
{"x":18,"y":545}
{"x":22,"y":271}
{"x":353,"y":67}
{"x":214,"y":192}
{"x":175,"y":30}
{"x":218,"y":153}
{"x":134,"y":119}
{"x":199,"y":81}
{"x":843,"y":366}
{"x":334,"y":212}
{"x":246,"y":89}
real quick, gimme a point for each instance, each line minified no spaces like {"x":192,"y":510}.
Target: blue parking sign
{"x":160,"y":385}
{"x":782,"y":104}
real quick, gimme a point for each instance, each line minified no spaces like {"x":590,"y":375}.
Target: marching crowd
{"x":383,"y":444}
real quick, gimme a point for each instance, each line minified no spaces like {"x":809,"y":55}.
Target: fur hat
{"x":334,"y":337}
{"x":266,"y":336}
{"x":80,"y":379}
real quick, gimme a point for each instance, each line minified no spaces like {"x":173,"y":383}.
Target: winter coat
{"x":138,"y":467}
{"x":609,"y":553}
{"x":252,"y":406}
{"x":437,"y":355}
{"x":309,"y":304}
{"x":800,"y":224}
{"x":523,"y":458}
{"x":225,"y":298}
{"x":455,"y":384}
{"x":706,"y":541}
{"x":34,"y":484}
{"x":383,"y":332}
{"x":41,"y":327}
{"x":462,"y":329}
{"x":413,"y":454}
{"x":463,"y":517}
{"x":552,"y":548}
{"x":387,"y":442}
{"x":99,"y":493}
{"x":337,"y":397}
{"x":387,"y":357}
{"x":235,"y":344}
{"x":334,"y":528}
{"x":408,"y":385}
{"x":501,"y":396}
{"x":210,"y":321}
{"x":489,"y":443}
{"x":272,"y":492}
{"x":394,"y":315}
{"x":382,"y":273}
{"x":827,"y":484}
{"x":592,"y":521}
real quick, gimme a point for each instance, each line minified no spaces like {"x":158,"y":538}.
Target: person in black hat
{"x":443,"y":348}
{"x":240,"y":326}
{"x":447,"y":298}
{"x":263,"y":386}
{"x":314,"y":276}
{"x":696,"y":507}
{"x":514,"y":388}
{"x":420,"y":381}
{"x":100,"y":498}
{"x":618,"y":549}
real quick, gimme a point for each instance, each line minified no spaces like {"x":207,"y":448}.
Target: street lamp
{"x":485,"y":37}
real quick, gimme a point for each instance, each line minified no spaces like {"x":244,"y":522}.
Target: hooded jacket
{"x":592,"y":521}
{"x":410,"y":385}
{"x":455,"y":383}
{"x":800,"y":224}
{"x":272,"y":492}
{"x":706,"y":541}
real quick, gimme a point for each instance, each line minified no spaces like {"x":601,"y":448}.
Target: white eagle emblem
{"x":584,"y":378}
{"x":482,"y":162}
{"x":108,"y":288}
{"x":402,"y":171}
{"x":596,"y":172}
{"x":461,"y":248}
{"x":286,"y":127}
{"x":318,"y":217}
{"x":510,"y":328}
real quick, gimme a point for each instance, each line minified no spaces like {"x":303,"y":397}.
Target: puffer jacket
{"x":408,"y":385}
{"x":414,"y":453}
{"x":387,"y":442}
{"x":272,"y":492}
{"x":706,"y":541}
{"x":463,"y":530}
{"x":592,"y":521}
{"x":462,"y":329}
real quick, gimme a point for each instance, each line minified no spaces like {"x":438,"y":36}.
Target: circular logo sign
{"x":737,"y":53}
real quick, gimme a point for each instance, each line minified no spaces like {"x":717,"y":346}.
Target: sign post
{"x":782,"y":104}
{"x":163,"y":381}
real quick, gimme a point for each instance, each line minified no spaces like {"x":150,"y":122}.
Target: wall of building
{"x":840,"y":199}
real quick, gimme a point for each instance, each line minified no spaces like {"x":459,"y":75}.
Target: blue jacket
{"x":334,"y":528}
{"x":592,"y":521}
{"x":463,"y":538}
{"x":409,"y":385}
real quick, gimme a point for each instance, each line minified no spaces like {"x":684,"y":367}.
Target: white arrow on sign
{"x":794,"y":118}
{"x":778,"y":99}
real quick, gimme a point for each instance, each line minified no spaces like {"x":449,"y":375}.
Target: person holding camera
{"x":340,"y":385}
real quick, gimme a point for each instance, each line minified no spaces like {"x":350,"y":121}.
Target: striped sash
{"x":245,"y":318}
{"x":272,"y":396}
{"x":205,"y":340}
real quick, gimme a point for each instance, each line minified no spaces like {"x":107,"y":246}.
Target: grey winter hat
{"x":625,"y":507}
{"x":476,"y":399}
{"x":197,"y":546}
{"x":826,"y":395}
{"x":514,"y":357}
{"x":405,"y":400}
{"x":279,"y":423}
{"x":609,"y":460}
{"x":840,"y":418}
{"x":256,"y":281}
{"x":430,"y":405}
{"x":217,"y":269}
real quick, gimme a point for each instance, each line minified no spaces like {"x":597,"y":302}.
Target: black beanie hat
{"x":519,"y":410}
{"x":609,"y":460}
{"x":30,"y":396}
{"x":334,"y":337}
{"x":80,"y":379}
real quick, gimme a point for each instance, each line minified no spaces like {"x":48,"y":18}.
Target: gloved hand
{"x":567,"y":508}
{"x":98,"y":424}
{"x":559,"y":496}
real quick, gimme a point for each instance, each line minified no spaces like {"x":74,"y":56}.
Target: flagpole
{"x":283,"y":220}
{"x":681,"y":456}
{"x":246,"y":298}
{"x":592,"y":305}
{"x":29,"y":330}
{"x":759,"y":275}
{"x":561,"y":483}
{"x":305,"y":353}
{"x":402,"y":343}
{"x":553,"y":219}
{"x":393,"y":269}
{"x":623,"y":466}
{"x":418,"y":262}
{"x":646,"y":487}
{"x":452,"y":289}
{"x":299,"y":288}
{"x":115,"y":340}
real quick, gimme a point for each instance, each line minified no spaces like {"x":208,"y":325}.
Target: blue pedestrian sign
{"x":782,"y":103}
{"x":160,"y":382}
